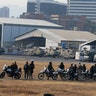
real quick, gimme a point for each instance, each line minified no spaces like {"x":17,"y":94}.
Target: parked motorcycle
{"x":91,"y":75}
{"x":62,"y":73}
{"x":45,"y":73}
{"x":16,"y":74}
{"x":94,"y":76}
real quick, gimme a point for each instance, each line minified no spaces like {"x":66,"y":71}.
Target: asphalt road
{"x":39,"y":59}
{"x":35,"y":58}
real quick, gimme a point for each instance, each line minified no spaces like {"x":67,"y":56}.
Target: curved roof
{"x":59,"y":35}
{"x":31,"y":22}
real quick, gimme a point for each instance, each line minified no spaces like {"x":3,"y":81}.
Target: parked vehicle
{"x":45,"y":73}
{"x":79,"y":75}
{"x":16,"y":74}
{"x":87,"y":75}
{"x":62,"y":73}
{"x":94,"y":76}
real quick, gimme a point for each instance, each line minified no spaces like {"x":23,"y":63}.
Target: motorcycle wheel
{"x":76,"y":78}
{"x":64,"y":77}
{"x":54,"y":77}
{"x":94,"y":78}
{"x":40,"y":76}
{"x":2,"y":75}
{"x":85,"y":77}
{"x":17,"y":76}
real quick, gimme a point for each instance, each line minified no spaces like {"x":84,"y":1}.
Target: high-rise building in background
{"x":4,"y":11}
{"x":47,"y":7}
{"x":82,"y":7}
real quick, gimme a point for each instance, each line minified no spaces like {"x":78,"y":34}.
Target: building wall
{"x":32,"y":16}
{"x":82,"y":7}
{"x":50,"y":43}
{"x":30,"y":42}
{"x":55,"y":8}
{"x":74,"y":45}
{"x":70,"y":22}
{"x":31,"y":7}
{"x":9,"y":32}
{"x":4,"y":12}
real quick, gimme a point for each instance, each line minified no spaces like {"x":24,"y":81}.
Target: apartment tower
{"x":82,"y":7}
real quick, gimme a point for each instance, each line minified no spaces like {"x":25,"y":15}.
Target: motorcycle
{"x":62,"y":73}
{"x":81,"y":76}
{"x":45,"y":72}
{"x":72,"y":75}
{"x":94,"y":76}
{"x":16,"y":74}
{"x":91,"y":76}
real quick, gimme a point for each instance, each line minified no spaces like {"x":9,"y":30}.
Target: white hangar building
{"x":53,"y":38}
{"x":13,"y":27}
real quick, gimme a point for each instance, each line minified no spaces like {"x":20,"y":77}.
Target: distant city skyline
{"x":17,"y":7}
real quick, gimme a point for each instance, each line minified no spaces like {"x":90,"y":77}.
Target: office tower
{"x":47,"y":7}
{"x":82,"y":7}
{"x":4,"y":11}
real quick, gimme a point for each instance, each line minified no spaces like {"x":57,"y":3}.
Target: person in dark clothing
{"x":15,"y":65}
{"x":62,"y":66}
{"x":50,"y":67}
{"x":31,"y":69}
{"x":95,"y":68}
{"x":84,"y":68}
{"x":79,"y":71}
{"x":92,"y":71}
{"x":26,"y":70}
{"x":12,"y":69}
{"x":80,"y":66}
{"x":71,"y":72}
{"x":75,"y":68}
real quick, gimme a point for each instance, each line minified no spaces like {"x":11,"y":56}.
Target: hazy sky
{"x":18,"y":6}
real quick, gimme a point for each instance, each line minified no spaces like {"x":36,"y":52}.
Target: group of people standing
{"x":76,"y":69}
{"x":81,"y":68}
{"x":28,"y":70}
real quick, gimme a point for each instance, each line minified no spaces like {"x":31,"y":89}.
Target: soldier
{"x":79,"y":71}
{"x":15,"y":65}
{"x":92,"y":71}
{"x":71,"y":72}
{"x":62,"y":66}
{"x":84,"y":68}
{"x":26,"y":70}
{"x":31,"y":69}
{"x":75,"y":68}
{"x":95,"y":68}
{"x":50,"y":67}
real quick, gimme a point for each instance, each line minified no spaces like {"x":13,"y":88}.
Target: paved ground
{"x":35,"y":58}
